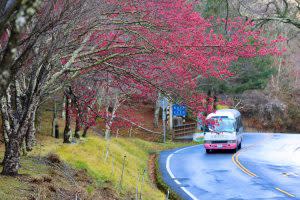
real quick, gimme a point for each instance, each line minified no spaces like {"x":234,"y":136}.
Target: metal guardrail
{"x":183,"y":130}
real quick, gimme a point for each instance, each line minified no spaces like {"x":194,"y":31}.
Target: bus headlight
{"x":231,"y":141}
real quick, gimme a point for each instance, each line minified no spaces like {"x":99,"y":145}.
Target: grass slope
{"x":103,"y":161}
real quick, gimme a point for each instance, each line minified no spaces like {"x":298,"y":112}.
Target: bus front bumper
{"x":220,"y":146}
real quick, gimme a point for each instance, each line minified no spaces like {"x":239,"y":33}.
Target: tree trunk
{"x":63,"y":112}
{"x":5,"y":120}
{"x":67,"y":131}
{"x":24,"y":148}
{"x":30,"y":140}
{"x":156,"y":111}
{"x":56,"y":131}
{"x":77,"y":128}
{"x":54,"y":121}
{"x":211,"y":101}
{"x":85,"y":131}
{"x":107,"y":130}
{"x":21,"y":140}
{"x":11,"y":161}
{"x":18,"y":125}
{"x":108,"y":124}
{"x":215,"y":101}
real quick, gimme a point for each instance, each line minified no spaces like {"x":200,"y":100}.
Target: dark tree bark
{"x":54,"y":120}
{"x":86,"y":128}
{"x":11,"y":161}
{"x":56,"y":132}
{"x":7,"y":8}
{"x":10,"y":11}
{"x":18,"y":130}
{"x":30,"y":139}
{"x":6,"y":60}
{"x":75,"y":104}
{"x":215,"y":102}
{"x":67,"y":131}
{"x":77,"y":128}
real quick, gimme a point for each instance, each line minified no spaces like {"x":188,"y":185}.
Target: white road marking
{"x":294,"y":174}
{"x":172,"y":175}
{"x":169,"y":170}
{"x":188,"y":193}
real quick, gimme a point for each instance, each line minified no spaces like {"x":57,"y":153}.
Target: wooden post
{"x":167,"y":195}
{"x":130,"y":131}
{"x":137,"y":187}
{"x":117,"y":133}
{"x":173,"y":135}
{"x":143,"y":179}
{"x":122,"y":173}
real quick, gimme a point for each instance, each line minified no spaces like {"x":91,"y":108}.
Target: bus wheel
{"x":208,"y":150}
{"x":240,"y":145}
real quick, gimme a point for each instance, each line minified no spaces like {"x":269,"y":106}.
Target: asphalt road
{"x":267,"y":167}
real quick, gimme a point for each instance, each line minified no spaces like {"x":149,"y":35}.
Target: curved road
{"x":267,"y":167}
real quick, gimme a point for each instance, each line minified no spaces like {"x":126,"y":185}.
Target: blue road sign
{"x":179,"y":110}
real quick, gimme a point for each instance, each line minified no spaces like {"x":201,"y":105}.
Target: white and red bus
{"x":224,"y":130}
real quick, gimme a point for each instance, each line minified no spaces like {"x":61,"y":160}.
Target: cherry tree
{"x":55,"y":47}
{"x":182,"y":49}
{"x":146,"y":45}
{"x":104,"y":97}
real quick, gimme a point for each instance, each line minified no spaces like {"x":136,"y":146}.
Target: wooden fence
{"x":180,"y":132}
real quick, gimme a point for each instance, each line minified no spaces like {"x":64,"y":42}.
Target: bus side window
{"x":239,"y":123}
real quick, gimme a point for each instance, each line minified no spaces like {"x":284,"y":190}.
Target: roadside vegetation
{"x":91,"y":168}
{"x":97,"y":161}
{"x":264,"y":89}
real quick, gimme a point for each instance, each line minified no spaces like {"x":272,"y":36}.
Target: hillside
{"x":89,"y":169}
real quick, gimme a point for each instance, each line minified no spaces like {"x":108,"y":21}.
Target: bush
{"x":268,"y":113}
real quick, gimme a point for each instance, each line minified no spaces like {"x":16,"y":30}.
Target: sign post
{"x":164,"y":117}
{"x":164,"y":104}
{"x":171,"y":116}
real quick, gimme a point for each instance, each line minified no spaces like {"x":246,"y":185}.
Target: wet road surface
{"x":267,"y":167}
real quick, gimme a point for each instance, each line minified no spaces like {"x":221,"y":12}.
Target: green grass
{"x":15,"y":188}
{"x":220,"y":106}
{"x":12,"y":188}
{"x":90,"y":154}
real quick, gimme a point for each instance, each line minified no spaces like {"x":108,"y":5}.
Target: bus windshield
{"x":222,"y":124}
